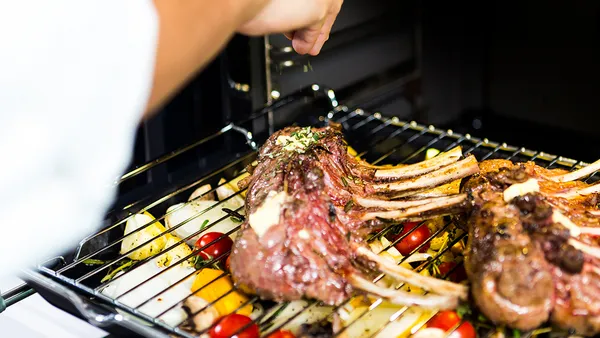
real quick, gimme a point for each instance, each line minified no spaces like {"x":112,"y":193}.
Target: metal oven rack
{"x":72,"y":285}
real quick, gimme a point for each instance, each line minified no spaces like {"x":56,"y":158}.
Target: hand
{"x":306,"y":22}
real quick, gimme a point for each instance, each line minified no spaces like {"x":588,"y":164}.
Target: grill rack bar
{"x":356,"y":113}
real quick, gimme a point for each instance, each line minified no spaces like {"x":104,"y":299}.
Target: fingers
{"x":309,"y":40}
{"x":324,"y":36}
{"x":304,"y":39}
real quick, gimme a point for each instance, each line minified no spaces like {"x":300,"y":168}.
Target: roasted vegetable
{"x":148,"y":233}
{"x":202,"y":193}
{"x":189,"y":219}
{"x":175,"y":254}
{"x":280,"y":314}
{"x":213,"y":284}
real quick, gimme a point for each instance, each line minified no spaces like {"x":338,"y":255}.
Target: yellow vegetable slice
{"x":148,"y":233}
{"x":175,"y":254}
{"x":352,"y":152}
{"x":234,"y":183}
{"x":216,"y":288}
{"x":431,"y":153}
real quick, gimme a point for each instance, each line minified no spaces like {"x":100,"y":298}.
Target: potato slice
{"x":197,"y":217}
{"x":201,"y":191}
{"x":132,"y":241}
{"x":227,"y":190}
{"x":175,"y":254}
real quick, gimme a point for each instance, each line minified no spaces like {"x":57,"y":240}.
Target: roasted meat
{"x":532,"y":253}
{"x":310,"y":205}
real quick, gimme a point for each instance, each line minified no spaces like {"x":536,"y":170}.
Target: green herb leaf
{"x":111,"y":274}
{"x":344,"y":182}
{"x":516,"y":333}
{"x":93,"y":262}
{"x":204,"y":224}
{"x":349,"y":206}
{"x":463,"y":309}
{"x":481,"y":318}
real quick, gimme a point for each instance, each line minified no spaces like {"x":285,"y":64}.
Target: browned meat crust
{"x":521,"y":262}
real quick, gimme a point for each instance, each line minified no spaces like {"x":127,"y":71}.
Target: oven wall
{"x":525,"y":75}
{"x":544,"y":63}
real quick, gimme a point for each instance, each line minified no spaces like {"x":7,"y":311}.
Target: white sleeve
{"x":75,"y":77}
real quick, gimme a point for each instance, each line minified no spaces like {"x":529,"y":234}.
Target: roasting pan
{"x":72,"y":285}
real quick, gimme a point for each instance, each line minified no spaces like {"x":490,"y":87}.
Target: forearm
{"x":191,"y":33}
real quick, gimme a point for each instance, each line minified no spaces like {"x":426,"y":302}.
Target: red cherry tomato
{"x":228,"y":264}
{"x":281,"y":334}
{"x":412,"y":241}
{"x":446,"y":320}
{"x":458,"y":275}
{"x":230,"y":324}
{"x":216,"y":249}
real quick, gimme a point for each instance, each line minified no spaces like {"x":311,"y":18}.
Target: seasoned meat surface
{"x":522,"y":265}
{"x":306,"y":252}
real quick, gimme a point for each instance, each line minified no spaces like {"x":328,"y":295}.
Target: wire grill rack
{"x":377,"y":139}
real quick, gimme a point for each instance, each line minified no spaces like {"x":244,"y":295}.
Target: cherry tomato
{"x":230,"y":324}
{"x":281,"y":334}
{"x":216,"y":249}
{"x":228,"y":264}
{"x":458,"y":275}
{"x":412,"y":241}
{"x":446,"y":320}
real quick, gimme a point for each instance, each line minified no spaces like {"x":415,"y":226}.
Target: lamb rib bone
{"x":577,"y":174}
{"x":392,"y":205}
{"x":452,"y":172}
{"x":421,"y":168}
{"x":577,"y":192}
{"x":410,"y":277}
{"x":405,"y":298}
{"x":439,"y":203}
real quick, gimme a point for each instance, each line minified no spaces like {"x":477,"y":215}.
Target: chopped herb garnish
{"x":111,"y":274}
{"x":516,"y":333}
{"x":344,"y":182}
{"x":481,"y":318}
{"x":298,"y":141}
{"x":204,"y":224}
{"x":348,"y":235}
{"x":93,"y":262}
{"x":463,"y":310}
{"x":349,"y":206}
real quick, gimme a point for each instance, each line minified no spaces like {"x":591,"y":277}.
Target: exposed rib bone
{"x":440,"y":203}
{"x":394,"y":205}
{"x":578,"y":192}
{"x":423,"y":167}
{"x":431,"y":284}
{"x":577,"y":174}
{"x":460,"y":169}
{"x":451,"y":188}
{"x":404,"y":298}
{"x":574,"y":229}
{"x":590,"y":250}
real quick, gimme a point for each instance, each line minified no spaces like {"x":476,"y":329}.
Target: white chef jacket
{"x":75,"y":77}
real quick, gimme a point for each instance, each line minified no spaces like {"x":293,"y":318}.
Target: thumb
{"x":304,"y":39}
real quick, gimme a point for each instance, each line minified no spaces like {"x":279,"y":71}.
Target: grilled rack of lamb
{"x":532,"y":253}
{"x":310,"y":206}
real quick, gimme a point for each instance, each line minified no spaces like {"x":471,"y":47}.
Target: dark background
{"x":525,"y":73}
